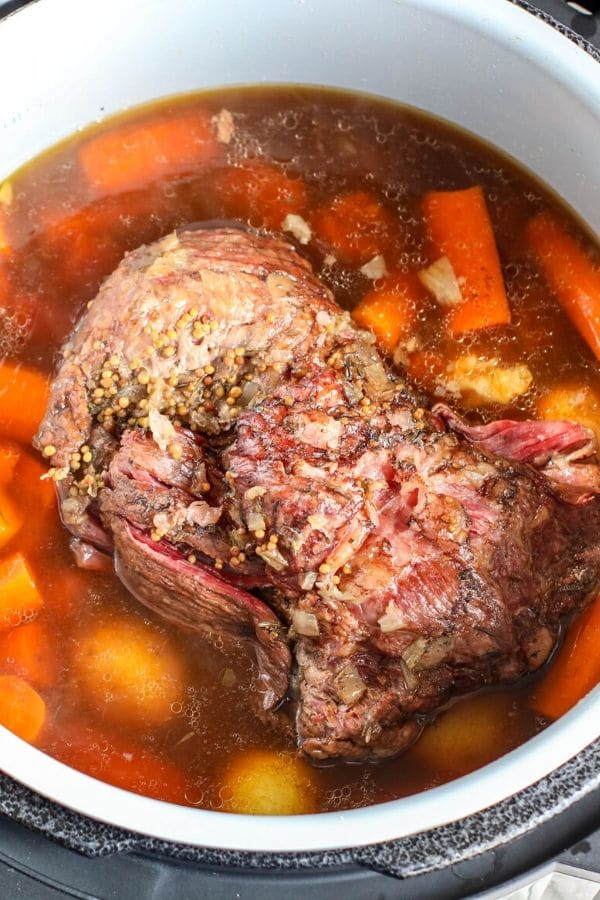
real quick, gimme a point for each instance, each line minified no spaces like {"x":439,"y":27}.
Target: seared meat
{"x":426,"y":563}
{"x":223,"y":423}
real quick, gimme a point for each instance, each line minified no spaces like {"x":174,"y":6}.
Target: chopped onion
{"x":308,"y":581}
{"x":161,"y":428}
{"x":228,"y":679}
{"x":375,"y":268}
{"x":305,"y":623}
{"x":349,"y":685}
{"x":413,"y":653}
{"x":249,"y":392}
{"x":200,"y":513}
{"x":254,"y":492}
{"x":273,"y":558}
{"x":318,"y":522}
{"x":89,"y":557}
{"x":410,"y":678}
{"x":256,"y":521}
{"x":436,"y":652}
{"x":378,"y":381}
{"x":297,"y":226}
{"x":73,"y":511}
{"x":224,"y":125}
{"x":424,"y":654}
{"x":392,"y":620}
{"x":439,"y":278}
{"x":57,"y":474}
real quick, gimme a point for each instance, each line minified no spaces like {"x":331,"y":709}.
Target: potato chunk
{"x":486,"y":381}
{"x":268,"y":783}
{"x":470,"y":734}
{"x":574,"y":403}
{"x":22,"y":710}
{"x":130,"y":672}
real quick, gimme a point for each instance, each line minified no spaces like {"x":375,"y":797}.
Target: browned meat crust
{"x":231,"y":430}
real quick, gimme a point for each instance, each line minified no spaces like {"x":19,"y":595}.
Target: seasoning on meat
{"x":242,"y":436}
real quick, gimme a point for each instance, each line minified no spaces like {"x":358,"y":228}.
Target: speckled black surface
{"x":415,"y":855}
{"x":572,"y":24}
{"x":418,"y":854}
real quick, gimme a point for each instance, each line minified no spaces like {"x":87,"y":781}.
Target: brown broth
{"x":336,"y":142}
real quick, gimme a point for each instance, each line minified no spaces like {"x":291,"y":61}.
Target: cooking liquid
{"x":336,"y":142}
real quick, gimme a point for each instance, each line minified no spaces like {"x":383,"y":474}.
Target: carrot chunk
{"x":459,"y":228}
{"x":23,"y":396}
{"x":427,"y":368}
{"x":84,"y":244}
{"x":389,"y":312}
{"x":20,"y":598}
{"x":260,"y":194}
{"x":10,"y":454}
{"x":571,"y":274}
{"x":572,"y":402}
{"x":122,"y":763}
{"x":135,"y":155}
{"x":22,"y":710}
{"x":576,"y":669}
{"x":10,"y":519}
{"x":32,"y":493}
{"x":41,"y":494}
{"x":28,"y":651}
{"x":356,"y":227}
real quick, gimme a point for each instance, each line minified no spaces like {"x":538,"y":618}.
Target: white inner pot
{"x":491,"y":68}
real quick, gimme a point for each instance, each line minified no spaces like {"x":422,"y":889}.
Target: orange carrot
{"x":571,"y":274}
{"x":38,"y":499}
{"x":9,"y":457}
{"x":28,"y":651}
{"x":11,"y":519}
{"x":356,"y":227}
{"x":426,"y":368}
{"x":84,"y":244}
{"x":261,"y":194}
{"x":459,"y":228}
{"x":389,"y":312}
{"x":89,"y":242}
{"x":28,"y":484}
{"x":576,"y":669}
{"x":574,"y":402}
{"x":23,"y":396}
{"x":135,"y":155}
{"x":22,"y":710}
{"x":122,"y":763}
{"x":19,"y":595}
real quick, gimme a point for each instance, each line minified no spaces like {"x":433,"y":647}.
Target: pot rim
{"x":398,"y":818}
{"x":480,"y":790}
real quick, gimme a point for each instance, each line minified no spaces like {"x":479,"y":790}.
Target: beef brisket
{"x":262,"y":477}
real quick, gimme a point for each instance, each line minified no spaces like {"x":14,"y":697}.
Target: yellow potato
{"x":268,"y":783}
{"x":470,"y":734}
{"x":575,"y":403}
{"x":130,"y":672}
